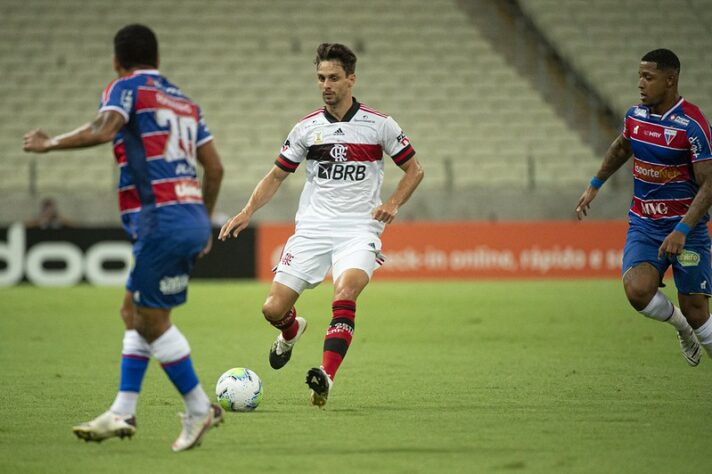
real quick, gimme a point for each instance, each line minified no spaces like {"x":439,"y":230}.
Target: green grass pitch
{"x":442,"y":377}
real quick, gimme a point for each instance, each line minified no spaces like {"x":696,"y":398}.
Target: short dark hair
{"x":136,"y":45}
{"x":664,"y":58}
{"x":336,"y":52}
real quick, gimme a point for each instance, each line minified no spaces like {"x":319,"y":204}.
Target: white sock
{"x":704,"y":335}
{"x":661,"y":309}
{"x":171,"y":346}
{"x":678,"y":320}
{"x":125,"y":403}
{"x":197,"y":402}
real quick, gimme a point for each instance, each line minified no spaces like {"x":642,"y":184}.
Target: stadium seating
{"x":473,"y":119}
{"x":604,"y":40}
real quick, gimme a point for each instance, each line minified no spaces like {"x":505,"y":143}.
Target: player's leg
{"x":120,"y":419}
{"x":693,"y":275}
{"x":161,"y":276}
{"x":171,"y":348}
{"x":135,"y":355}
{"x":338,"y":337}
{"x":354,"y":264}
{"x":641,"y":279}
{"x":641,"y":287}
{"x":695,"y":307}
{"x":279,"y":310}
{"x":642,"y":276}
{"x":303,"y":264}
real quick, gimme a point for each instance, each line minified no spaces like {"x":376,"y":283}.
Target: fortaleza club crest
{"x":688,"y":258}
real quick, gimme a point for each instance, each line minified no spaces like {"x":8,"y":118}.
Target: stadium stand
{"x":604,"y":39}
{"x":475,"y":121}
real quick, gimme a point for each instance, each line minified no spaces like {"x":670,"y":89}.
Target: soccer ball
{"x":239,"y":389}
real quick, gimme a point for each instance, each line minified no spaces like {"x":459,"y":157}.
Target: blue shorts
{"x":691,"y":269}
{"x":162,"y":267}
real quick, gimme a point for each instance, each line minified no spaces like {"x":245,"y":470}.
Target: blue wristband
{"x":683,"y":228}
{"x":597,"y":183}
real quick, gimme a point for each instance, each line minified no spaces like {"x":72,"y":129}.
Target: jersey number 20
{"x":182,"y":135}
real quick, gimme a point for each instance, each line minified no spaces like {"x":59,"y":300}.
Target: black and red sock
{"x":288,"y":324}
{"x":339,"y":335}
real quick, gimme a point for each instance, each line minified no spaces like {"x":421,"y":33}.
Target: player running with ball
{"x":340,"y":215}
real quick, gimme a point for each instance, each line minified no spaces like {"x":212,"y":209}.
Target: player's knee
{"x":696,"y":310}
{"x":639,"y":295}
{"x":272,"y":310}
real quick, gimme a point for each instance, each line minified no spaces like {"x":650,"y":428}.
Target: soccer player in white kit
{"x":340,"y":215}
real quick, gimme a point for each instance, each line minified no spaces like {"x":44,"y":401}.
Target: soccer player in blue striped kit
{"x":671,"y":144}
{"x":159,"y":138}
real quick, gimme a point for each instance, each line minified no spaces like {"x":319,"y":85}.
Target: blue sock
{"x":182,"y":374}
{"x":133,"y":368}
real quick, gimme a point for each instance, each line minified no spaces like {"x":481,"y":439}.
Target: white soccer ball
{"x":239,"y":389}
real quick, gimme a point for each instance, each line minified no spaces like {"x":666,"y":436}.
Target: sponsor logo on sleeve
{"x":640,"y":112}
{"x":403,"y":139}
{"x":126,"y":100}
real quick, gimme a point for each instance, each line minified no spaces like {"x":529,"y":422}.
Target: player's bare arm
{"x":674,"y":243}
{"x":618,"y":153}
{"x":263,"y":193}
{"x":209,"y":159}
{"x":101,"y":130}
{"x":413,"y":175}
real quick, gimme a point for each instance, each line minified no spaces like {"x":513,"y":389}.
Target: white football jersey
{"x":344,"y":167}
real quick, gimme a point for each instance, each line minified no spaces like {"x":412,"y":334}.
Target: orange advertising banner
{"x":492,"y":250}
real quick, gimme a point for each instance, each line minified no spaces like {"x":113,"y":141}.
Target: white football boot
{"x":107,"y":425}
{"x":689,"y":346}
{"x":194,"y":427}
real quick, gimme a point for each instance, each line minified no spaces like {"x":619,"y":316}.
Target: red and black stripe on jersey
{"x":404,"y":155}
{"x":351,"y":151}
{"x":285,"y":164}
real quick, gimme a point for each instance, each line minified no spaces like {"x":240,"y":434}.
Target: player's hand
{"x":207,"y":248}
{"x":673,"y":245}
{"x":584,"y":202}
{"x":234,"y":226}
{"x":385,"y":213}
{"x":36,"y":141}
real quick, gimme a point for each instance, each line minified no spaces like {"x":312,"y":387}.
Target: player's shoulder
{"x":311,"y":115}
{"x":690,"y":112}
{"x":366,"y":109}
{"x":127,"y":82}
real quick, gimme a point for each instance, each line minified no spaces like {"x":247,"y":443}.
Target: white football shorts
{"x":306,"y":260}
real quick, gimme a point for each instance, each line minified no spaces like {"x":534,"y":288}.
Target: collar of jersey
{"x":347,"y":117}
{"x":152,"y":72}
